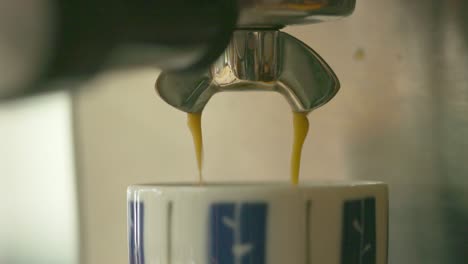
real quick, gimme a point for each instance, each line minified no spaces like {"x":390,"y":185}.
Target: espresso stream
{"x":300,"y":126}
{"x":194,"y":124}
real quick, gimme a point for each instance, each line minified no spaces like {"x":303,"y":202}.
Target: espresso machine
{"x":400,"y":116}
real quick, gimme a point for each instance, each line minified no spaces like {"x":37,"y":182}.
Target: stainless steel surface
{"x":279,"y":13}
{"x":266,"y":60}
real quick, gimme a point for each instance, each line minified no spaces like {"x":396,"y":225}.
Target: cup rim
{"x":257,"y":185}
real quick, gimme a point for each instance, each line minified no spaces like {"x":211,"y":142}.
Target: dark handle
{"x":174,"y":35}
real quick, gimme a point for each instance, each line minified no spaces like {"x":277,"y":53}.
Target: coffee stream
{"x":300,"y":125}
{"x":194,"y":124}
{"x":301,"y":128}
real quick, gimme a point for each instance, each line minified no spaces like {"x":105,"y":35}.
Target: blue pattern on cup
{"x":238,"y":233}
{"x":359,"y":232}
{"x":136,"y":213}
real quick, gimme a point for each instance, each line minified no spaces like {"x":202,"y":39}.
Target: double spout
{"x":255,"y":60}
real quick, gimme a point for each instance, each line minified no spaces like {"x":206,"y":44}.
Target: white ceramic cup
{"x":327,"y":223}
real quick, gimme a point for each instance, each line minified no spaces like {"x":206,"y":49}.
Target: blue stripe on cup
{"x":358,"y":244}
{"x":136,"y":213}
{"x":237,"y":233}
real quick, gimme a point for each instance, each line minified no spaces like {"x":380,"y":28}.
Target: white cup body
{"x":328,"y":223}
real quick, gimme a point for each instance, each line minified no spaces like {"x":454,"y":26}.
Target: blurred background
{"x":66,"y":158}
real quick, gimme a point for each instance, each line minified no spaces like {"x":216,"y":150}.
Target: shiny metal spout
{"x":265,"y":60}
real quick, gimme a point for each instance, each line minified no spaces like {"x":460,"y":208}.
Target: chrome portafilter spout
{"x":260,"y":57}
{"x":264,"y":60}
